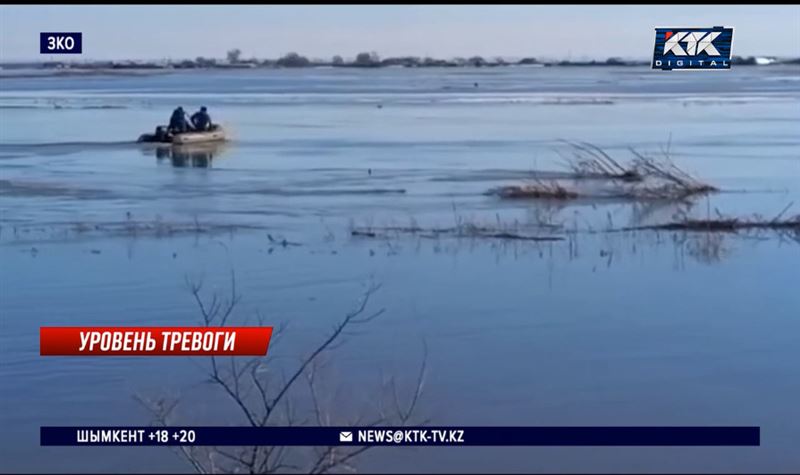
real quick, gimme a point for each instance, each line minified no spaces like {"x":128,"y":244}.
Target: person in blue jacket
{"x":201,"y":120}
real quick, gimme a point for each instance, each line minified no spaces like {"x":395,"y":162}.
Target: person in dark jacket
{"x":178,"y":123}
{"x":201,"y":120}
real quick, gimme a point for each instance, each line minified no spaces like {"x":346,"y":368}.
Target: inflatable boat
{"x":215,"y":134}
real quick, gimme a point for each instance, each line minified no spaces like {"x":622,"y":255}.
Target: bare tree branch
{"x":264,"y":402}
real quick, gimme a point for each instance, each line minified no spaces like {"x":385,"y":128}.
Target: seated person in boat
{"x":201,"y":120}
{"x":178,"y":123}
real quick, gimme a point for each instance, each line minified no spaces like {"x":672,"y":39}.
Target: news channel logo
{"x":60,"y":43}
{"x":693,"y":48}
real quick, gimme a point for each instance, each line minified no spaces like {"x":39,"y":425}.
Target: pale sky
{"x":269,"y":31}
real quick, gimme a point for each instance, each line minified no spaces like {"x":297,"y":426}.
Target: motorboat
{"x":162,"y":135}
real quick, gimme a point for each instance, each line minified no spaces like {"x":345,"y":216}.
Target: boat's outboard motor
{"x":161,"y":133}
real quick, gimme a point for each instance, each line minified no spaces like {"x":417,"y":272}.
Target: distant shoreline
{"x":73,"y":72}
{"x":296,"y":61}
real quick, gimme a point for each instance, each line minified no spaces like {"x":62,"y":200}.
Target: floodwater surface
{"x":598,"y":328}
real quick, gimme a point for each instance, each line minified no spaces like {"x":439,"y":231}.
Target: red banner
{"x":154,"y":341}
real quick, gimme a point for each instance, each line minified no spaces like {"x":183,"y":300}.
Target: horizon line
{"x":60,"y":58}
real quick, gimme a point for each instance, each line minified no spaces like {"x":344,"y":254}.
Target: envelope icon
{"x":345,"y":436}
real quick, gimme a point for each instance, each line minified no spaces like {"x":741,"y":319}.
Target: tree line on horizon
{"x":234,"y":59}
{"x":363,"y":59}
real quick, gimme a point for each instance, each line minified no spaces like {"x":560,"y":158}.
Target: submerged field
{"x":576,"y":301}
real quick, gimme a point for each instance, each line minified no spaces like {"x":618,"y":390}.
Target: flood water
{"x":601,"y":328}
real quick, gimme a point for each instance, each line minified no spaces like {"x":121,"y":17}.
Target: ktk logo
{"x":693,"y":48}
{"x":696,"y":43}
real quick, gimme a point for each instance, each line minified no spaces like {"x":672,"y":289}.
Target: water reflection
{"x":190,"y":155}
